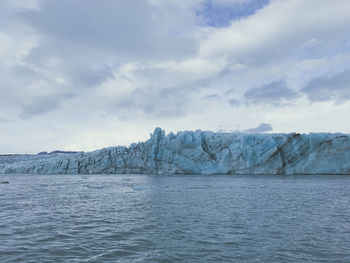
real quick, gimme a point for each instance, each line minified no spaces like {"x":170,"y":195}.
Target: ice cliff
{"x":199,"y":152}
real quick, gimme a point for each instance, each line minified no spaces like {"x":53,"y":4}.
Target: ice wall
{"x":200,"y":152}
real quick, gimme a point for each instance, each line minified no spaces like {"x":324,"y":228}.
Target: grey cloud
{"x":234,"y":102}
{"x":127,"y":29}
{"x":263,"y":127}
{"x":91,"y":77}
{"x":336,"y":88}
{"x":40,"y":105}
{"x":30,"y":92}
{"x":5,"y":120}
{"x":212,"y":97}
{"x":79,"y":67}
{"x":83,"y":42}
{"x":152,"y":103}
{"x":5,"y":13}
{"x":274,"y":93}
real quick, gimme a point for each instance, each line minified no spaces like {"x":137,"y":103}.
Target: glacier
{"x":199,"y":152}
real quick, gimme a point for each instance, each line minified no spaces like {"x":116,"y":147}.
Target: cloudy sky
{"x":86,"y":74}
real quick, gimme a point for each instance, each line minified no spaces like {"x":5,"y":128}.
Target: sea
{"x":174,"y":218}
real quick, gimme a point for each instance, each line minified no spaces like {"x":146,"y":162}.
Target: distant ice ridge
{"x":199,"y":152}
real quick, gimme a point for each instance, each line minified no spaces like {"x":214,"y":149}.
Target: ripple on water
{"x":133,"y":218}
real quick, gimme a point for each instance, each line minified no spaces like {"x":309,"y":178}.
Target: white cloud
{"x":106,"y":75}
{"x":278,"y":30}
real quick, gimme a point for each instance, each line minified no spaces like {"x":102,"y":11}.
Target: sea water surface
{"x":147,"y":218}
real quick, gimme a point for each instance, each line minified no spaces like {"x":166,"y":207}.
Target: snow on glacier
{"x":199,"y":152}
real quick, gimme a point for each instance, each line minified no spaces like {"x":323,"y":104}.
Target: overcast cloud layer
{"x":86,"y":74}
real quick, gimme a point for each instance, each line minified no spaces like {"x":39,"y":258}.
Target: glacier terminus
{"x":199,"y":152}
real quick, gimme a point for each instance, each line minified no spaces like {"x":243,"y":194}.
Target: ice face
{"x":200,"y":152}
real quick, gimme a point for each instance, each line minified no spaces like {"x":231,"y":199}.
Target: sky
{"x":87,"y":74}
